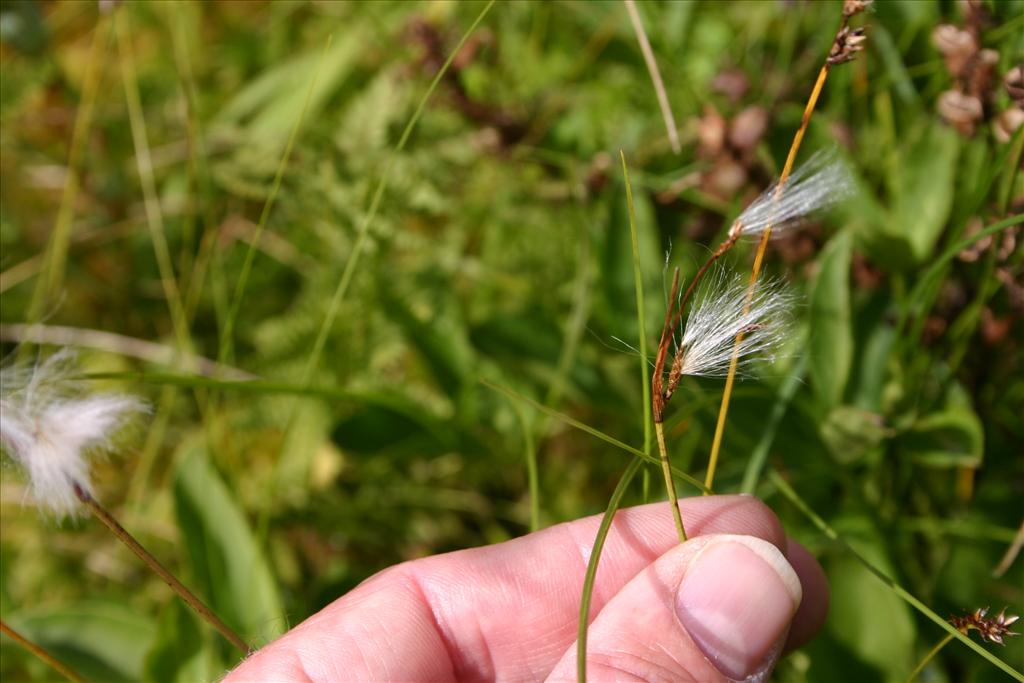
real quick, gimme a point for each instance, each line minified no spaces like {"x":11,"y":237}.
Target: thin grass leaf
{"x":226,"y":341}
{"x":783,"y":486}
{"x":595,"y":555}
{"x":52,"y":275}
{"x":530,"y":456}
{"x":593,"y":432}
{"x":144,"y":164}
{"x":641,"y":318}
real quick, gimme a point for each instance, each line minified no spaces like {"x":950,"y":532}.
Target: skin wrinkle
{"x":442,"y":634}
{"x":513,"y":605}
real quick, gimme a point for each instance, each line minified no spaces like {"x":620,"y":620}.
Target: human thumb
{"x":714,"y":608}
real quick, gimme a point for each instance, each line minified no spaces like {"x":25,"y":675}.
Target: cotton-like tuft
{"x":50,"y":430}
{"x":819,"y":183}
{"x":717,"y":316}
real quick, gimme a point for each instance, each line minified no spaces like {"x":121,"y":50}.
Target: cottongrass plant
{"x":731,"y":319}
{"x":51,"y":429}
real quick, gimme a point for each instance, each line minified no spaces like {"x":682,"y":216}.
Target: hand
{"x":725,"y":604}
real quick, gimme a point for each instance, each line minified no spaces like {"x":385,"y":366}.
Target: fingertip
{"x":730,"y":514}
{"x":813,"y":611}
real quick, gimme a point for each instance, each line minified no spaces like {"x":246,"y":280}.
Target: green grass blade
{"x":226,"y":342}
{"x":52,"y":275}
{"x":641,"y":318}
{"x":595,"y":556}
{"x":593,"y":432}
{"x":530,"y":455}
{"x":154,"y":214}
{"x":242,"y":386}
{"x":831,"y":533}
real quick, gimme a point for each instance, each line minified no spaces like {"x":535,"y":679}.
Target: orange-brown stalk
{"x":844,"y":47}
{"x":40,"y":653}
{"x":658,"y":399}
{"x":122,"y":534}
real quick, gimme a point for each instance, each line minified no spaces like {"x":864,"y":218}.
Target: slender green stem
{"x":190,"y":598}
{"x":52,"y":275}
{"x":641,"y":317}
{"x":151,"y":201}
{"x":595,"y":558}
{"x":226,"y":341}
{"x":783,"y":486}
{"x":929,"y":657}
{"x":594,"y":432}
{"x":530,"y":455}
{"x":40,"y":653}
{"x":670,"y":485}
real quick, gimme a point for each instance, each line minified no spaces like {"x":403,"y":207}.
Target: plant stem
{"x":226,"y":342}
{"x":666,"y":470}
{"x":595,"y":558}
{"x":928,"y":657}
{"x":52,"y":273}
{"x":39,"y":652}
{"x":177,"y":586}
{"x":147,"y":180}
{"x":755,"y":271}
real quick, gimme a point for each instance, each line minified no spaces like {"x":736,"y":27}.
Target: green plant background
{"x":500,"y":250}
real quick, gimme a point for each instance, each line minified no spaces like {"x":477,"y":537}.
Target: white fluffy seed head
{"x":717,"y":316}
{"x":49,"y":429}
{"x":822,"y":181}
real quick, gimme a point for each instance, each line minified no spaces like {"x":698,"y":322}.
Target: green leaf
{"x":866,"y":616}
{"x":951,"y":438}
{"x":102,"y":641}
{"x":178,"y":655}
{"x":924,"y":189}
{"x":831,"y":340}
{"x":232,"y":574}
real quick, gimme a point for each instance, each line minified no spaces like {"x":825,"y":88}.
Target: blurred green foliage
{"x":501,"y":250}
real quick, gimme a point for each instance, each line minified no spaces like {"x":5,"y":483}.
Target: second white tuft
{"x":819,"y":183}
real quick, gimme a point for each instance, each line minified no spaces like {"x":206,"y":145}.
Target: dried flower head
{"x":991,"y":629}
{"x":848,"y":42}
{"x":49,"y":429}
{"x":852,"y":7}
{"x":959,"y":110}
{"x":719,"y":313}
{"x":821,"y":182}
{"x":1013,"y":81}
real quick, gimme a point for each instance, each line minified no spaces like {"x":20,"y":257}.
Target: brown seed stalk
{"x":122,"y":534}
{"x":40,"y":653}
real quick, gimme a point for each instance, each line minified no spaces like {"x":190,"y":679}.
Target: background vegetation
{"x":500,"y":250}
